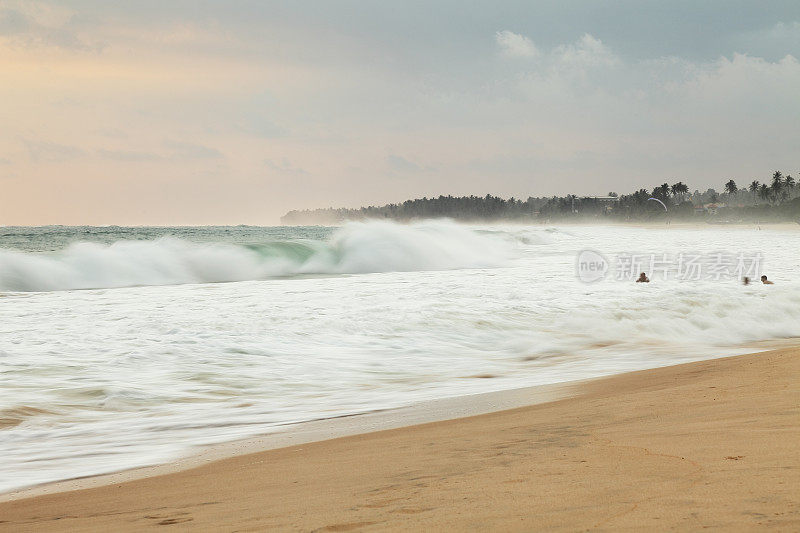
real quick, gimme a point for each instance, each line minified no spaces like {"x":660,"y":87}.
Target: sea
{"x":129,"y":346}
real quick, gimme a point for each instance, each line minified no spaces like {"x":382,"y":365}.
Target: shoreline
{"x":781,"y":225}
{"x":318,"y":430}
{"x":327,"y":428}
{"x":712,"y":442}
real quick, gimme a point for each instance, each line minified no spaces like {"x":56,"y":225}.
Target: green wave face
{"x":227,"y":254}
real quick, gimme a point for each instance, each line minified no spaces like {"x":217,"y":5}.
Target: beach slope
{"x":709,"y":444}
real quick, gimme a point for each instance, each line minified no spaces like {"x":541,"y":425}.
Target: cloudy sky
{"x":154,"y":112}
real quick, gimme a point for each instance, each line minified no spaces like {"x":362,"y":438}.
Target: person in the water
{"x":765,"y":281}
{"x":643,"y":278}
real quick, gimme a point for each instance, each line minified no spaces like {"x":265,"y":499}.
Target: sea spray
{"x":358,"y":247}
{"x":99,"y":380}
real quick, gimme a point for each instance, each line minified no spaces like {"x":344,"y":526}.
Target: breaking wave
{"x":358,"y":247}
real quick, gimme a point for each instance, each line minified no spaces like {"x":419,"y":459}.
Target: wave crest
{"x":358,"y":247}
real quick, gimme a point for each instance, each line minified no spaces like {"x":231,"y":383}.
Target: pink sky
{"x":229,"y":117}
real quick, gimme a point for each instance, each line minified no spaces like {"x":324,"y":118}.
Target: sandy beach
{"x":399,"y":266}
{"x":711,"y":444}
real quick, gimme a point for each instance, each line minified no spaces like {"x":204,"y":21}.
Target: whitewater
{"x":124,"y":347}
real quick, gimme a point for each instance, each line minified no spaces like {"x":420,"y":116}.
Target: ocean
{"x":123,"y":347}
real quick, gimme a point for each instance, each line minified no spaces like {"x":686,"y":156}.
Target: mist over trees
{"x":775,"y":199}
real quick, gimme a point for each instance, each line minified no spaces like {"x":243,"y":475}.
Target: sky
{"x":210,"y":112}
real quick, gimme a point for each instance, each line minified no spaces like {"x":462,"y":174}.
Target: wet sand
{"x":710,"y":444}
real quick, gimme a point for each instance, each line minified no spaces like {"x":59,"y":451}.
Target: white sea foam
{"x":101,"y":380}
{"x":356,"y":248}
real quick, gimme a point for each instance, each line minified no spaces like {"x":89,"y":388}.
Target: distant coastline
{"x":775,"y":201}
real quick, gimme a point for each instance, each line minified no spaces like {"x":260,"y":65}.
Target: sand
{"x":712,"y":444}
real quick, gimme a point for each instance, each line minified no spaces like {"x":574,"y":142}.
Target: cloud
{"x":12,"y":22}
{"x":50,"y":152}
{"x":285,"y":167}
{"x":583,"y":109}
{"x":565,"y":98}
{"x":175,"y":151}
{"x":566,"y":66}
{"x":587,"y":52}
{"x":32,"y":24}
{"x":185,"y":150}
{"x":111,"y":133}
{"x":778,"y":40}
{"x":571,"y":76}
{"x":129,"y":155}
{"x":261,"y":127}
{"x":402,"y":165}
{"x":515,"y":45}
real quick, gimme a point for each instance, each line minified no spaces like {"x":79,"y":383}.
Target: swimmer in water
{"x":643,"y":278}
{"x":746,"y":280}
{"x":765,"y":281}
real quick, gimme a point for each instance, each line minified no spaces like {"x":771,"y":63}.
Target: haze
{"x":236,"y":112}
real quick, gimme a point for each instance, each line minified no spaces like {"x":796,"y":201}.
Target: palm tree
{"x":790,"y":183}
{"x":662,"y":192}
{"x":571,"y":199}
{"x":731,"y":188}
{"x":778,"y":191}
{"x":754,"y":189}
{"x":679,"y":191}
{"x":777,"y":180}
{"x":763,"y":191}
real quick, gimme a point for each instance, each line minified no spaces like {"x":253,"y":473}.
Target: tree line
{"x":777,"y":198}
